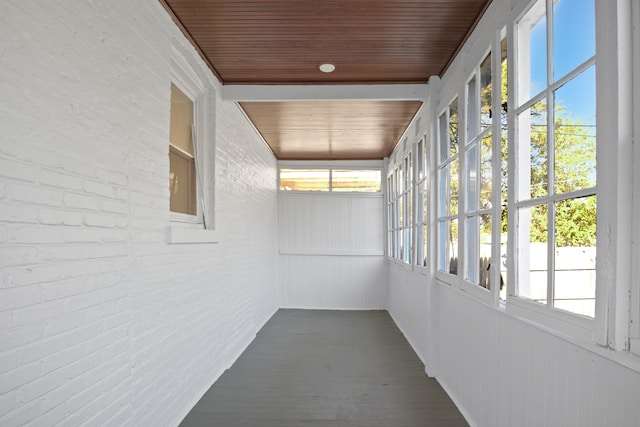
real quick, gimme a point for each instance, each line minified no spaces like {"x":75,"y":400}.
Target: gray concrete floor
{"x":326,"y":368}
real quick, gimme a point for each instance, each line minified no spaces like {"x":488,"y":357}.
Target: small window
{"x":366,"y":181}
{"x":182,"y":165}
{"x":304,"y":179}
{"x":335,"y":180}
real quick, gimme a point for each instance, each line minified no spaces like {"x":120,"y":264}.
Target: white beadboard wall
{"x":331,"y":251}
{"x":102,"y":322}
{"x":500,"y":370}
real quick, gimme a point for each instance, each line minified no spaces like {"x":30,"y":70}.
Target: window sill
{"x":182,"y":235}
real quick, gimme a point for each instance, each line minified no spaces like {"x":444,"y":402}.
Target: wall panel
{"x":331,"y":251}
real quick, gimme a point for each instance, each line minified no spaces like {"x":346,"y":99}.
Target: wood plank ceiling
{"x":282,"y":42}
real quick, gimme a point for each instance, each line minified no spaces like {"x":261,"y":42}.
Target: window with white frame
{"x":330,"y":180}
{"x":182,"y":163}
{"x":187,"y":130}
{"x":485,"y":170}
{"x":421,"y":203}
{"x":400,"y":210}
{"x":555,"y":174}
{"x":448,"y":169}
{"x":392,"y":217}
{"x":407,"y":212}
{"x":478,"y":173}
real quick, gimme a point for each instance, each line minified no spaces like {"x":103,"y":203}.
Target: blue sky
{"x":574,"y":42}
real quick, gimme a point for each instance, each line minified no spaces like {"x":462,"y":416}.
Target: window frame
{"x":184,"y":78}
{"x":421,"y":213}
{"x":469,"y":142}
{"x":399,"y":194}
{"x":564,"y":321}
{"x":444,"y":162}
{"x":332,"y":166}
{"x":199,"y":228}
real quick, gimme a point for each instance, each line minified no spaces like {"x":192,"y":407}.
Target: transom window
{"x":331,"y":180}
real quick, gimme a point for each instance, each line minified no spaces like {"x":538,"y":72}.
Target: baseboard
{"x":456,"y":402}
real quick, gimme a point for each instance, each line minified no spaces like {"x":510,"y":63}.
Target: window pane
{"x":453,"y":187}
{"x":400,"y":178}
{"x":304,"y":179}
{"x":485,"y":92}
{"x":574,"y":38}
{"x":182,"y":182}
{"x":472,"y":110}
{"x":442,"y":189}
{"x":444,"y":138}
{"x":425,"y":200}
{"x":453,"y":126}
{"x":485,"y":251}
{"x":471,"y":249}
{"x":472,"y":179}
{"x":401,"y":211}
{"x":410,"y":209}
{"x":533,"y":129}
{"x":420,"y":160}
{"x":408,"y":161}
{"x":407,"y":245}
{"x":532,"y":280}
{"x":181,"y":120}
{"x":532,"y":31}
{"x":486,"y":171}
{"x":503,"y":172}
{"x":356,"y":180}
{"x":575,"y":134}
{"x":575,"y":255}
{"x":503,"y":257}
{"x":453,"y":246}
{"x":424,"y":244}
{"x":419,"y":249}
{"x":443,"y":238}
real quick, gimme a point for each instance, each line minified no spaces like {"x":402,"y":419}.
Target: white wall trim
{"x":280,"y":93}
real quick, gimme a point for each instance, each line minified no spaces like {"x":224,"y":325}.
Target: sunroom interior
{"x":468,"y":167}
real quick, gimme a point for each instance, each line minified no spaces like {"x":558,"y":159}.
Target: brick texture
{"x":102,"y":322}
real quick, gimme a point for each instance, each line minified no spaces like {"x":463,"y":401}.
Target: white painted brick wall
{"x":101,"y":321}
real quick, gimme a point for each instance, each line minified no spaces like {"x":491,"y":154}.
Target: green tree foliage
{"x":574,"y":169}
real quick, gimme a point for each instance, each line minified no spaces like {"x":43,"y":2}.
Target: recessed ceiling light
{"x":327,"y":68}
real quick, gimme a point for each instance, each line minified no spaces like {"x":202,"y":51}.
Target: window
{"x":400,"y":210}
{"x":392,"y":217}
{"x":478,"y":164}
{"x":555,"y":185}
{"x":406,"y":213}
{"x":330,"y":180}
{"x":448,"y":189}
{"x":191,"y":160}
{"x":182,"y":165}
{"x":421,"y":203}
